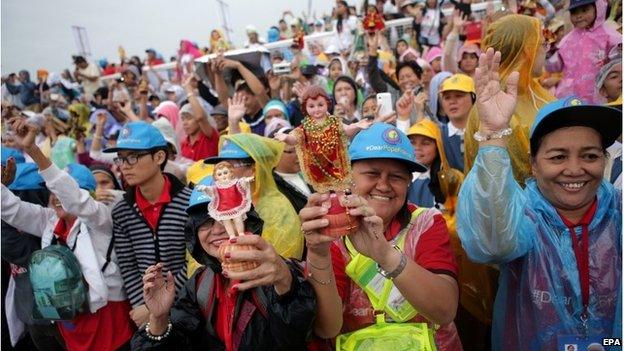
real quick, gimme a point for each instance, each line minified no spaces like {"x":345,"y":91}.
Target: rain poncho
{"x":517,"y":37}
{"x":539,"y":295}
{"x":282,"y":227}
{"x":581,"y":54}
{"x":477,"y":283}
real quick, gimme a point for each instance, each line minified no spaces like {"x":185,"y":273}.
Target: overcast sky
{"x":37,"y":33}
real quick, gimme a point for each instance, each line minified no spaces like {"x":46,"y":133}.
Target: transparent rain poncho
{"x":539,"y":295}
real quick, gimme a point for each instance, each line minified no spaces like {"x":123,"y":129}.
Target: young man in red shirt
{"x":148,"y":224}
{"x":202,"y":139}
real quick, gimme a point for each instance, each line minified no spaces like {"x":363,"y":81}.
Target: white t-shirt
{"x":90,"y":86}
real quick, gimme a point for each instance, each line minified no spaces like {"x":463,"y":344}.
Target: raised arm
{"x":198,"y":112}
{"x":76,"y":201}
{"x":490,"y":214}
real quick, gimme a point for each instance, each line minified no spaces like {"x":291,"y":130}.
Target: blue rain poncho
{"x":539,"y":294}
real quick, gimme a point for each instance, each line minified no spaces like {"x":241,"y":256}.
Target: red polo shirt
{"x":151,"y":211}
{"x":202,"y":148}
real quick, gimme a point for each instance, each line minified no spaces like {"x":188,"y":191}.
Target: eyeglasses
{"x":131,"y":160}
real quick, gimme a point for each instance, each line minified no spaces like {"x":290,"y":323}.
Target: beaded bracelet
{"x":322,"y":282}
{"x":157,"y":337}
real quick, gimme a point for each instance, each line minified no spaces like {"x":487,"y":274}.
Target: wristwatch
{"x":395,"y":273}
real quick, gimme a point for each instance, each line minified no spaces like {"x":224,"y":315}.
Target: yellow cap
{"x":425,"y":127}
{"x":198,"y":171}
{"x":459,"y":82}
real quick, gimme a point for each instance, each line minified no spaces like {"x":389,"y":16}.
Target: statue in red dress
{"x":321,"y":144}
{"x":231,"y":198}
{"x":373,"y":21}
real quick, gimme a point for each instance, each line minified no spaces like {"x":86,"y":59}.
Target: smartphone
{"x":385,"y":101}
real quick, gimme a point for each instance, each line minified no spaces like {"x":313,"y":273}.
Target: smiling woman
{"x":561,"y":235}
{"x":397,"y":242}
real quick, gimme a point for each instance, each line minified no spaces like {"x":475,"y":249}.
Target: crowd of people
{"x":485,"y":153}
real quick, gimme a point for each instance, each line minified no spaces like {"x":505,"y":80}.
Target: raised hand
{"x":236,"y":107}
{"x":158,"y":290}
{"x":299,"y":88}
{"x":8,"y":172}
{"x":405,"y":104}
{"x":25,"y":133}
{"x":494,"y":105}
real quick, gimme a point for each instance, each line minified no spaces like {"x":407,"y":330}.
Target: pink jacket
{"x":581,"y":54}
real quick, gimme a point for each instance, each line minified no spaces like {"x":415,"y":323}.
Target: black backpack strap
{"x":109,"y":252}
{"x":204,"y":291}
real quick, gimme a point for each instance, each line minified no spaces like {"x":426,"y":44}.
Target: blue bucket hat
{"x":382,"y":140}
{"x":199,"y":197}
{"x":572,"y":111}
{"x":27,"y":178}
{"x":138,"y":136}
{"x":11,"y":152}
{"x":229,"y":151}
{"x":82,"y":175}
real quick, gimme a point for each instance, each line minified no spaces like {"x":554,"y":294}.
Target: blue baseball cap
{"x":199,"y":197}
{"x":572,"y":111}
{"x":382,"y":140}
{"x":578,"y":3}
{"x":82,"y":175}
{"x":229,"y":151}
{"x":27,"y":178}
{"x":11,"y":152}
{"x":138,"y":136}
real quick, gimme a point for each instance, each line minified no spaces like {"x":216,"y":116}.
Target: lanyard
{"x":581,"y":251}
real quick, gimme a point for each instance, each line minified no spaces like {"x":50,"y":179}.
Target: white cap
{"x":251,"y":29}
{"x":332,"y":49}
{"x":166,"y":129}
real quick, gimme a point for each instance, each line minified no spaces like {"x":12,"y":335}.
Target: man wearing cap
{"x":148,"y":224}
{"x":202,"y":139}
{"x":457,"y":94}
{"x":152,"y":58}
{"x":253,"y":89}
{"x":558,"y":241}
{"x":254,"y":41}
{"x":88,"y":75}
{"x":74,"y":218}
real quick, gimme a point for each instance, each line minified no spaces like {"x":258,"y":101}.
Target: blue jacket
{"x":539,"y":294}
{"x":452,"y":147}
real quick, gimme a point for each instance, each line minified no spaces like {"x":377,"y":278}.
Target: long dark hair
{"x":339,"y":16}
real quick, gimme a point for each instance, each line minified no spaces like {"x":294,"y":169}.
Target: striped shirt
{"x":138,"y":247}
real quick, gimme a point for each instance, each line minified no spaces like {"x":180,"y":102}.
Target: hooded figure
{"x":581,"y":54}
{"x":518,"y":38}
{"x":434,"y":95}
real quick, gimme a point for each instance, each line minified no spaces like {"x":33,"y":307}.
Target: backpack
{"x":59,"y":290}
{"x":383,"y":295}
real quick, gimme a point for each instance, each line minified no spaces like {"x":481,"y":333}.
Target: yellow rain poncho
{"x":282,"y":227}
{"x":518,"y":38}
{"x":477,"y":282}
